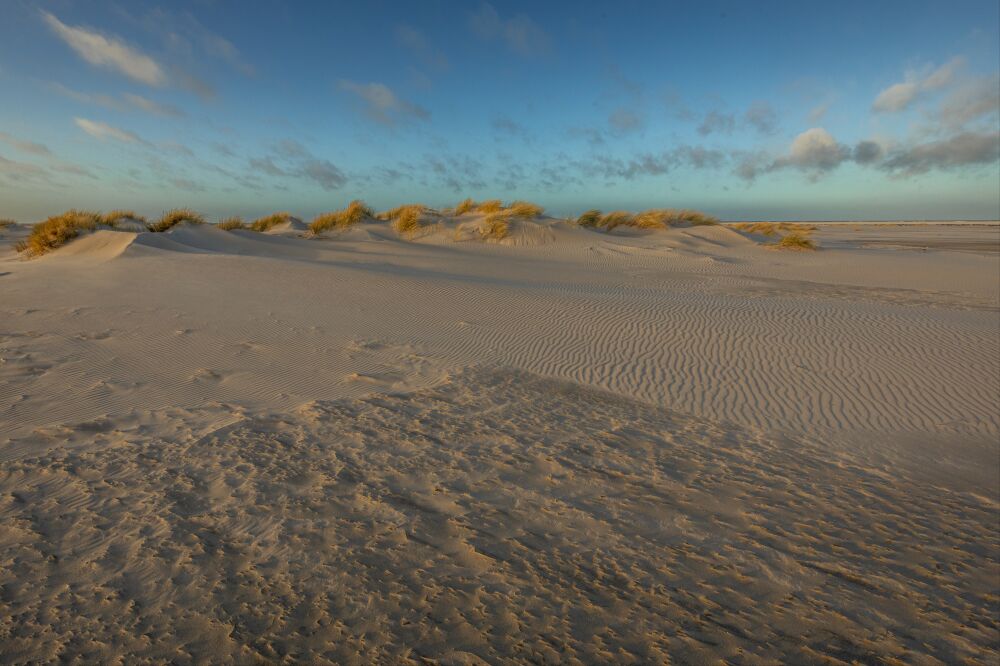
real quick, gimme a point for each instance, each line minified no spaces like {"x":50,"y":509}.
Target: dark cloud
{"x":506,"y":125}
{"x":867,"y":152}
{"x":623,"y":120}
{"x":761,"y":117}
{"x":717,"y":122}
{"x":324,"y":173}
{"x":24,"y":146}
{"x":382,"y":105}
{"x":521,"y":34}
{"x":962,"y":150}
{"x":415,"y":41}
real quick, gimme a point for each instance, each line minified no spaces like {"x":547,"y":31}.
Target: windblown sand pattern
{"x":560,"y":446}
{"x":559,"y":525}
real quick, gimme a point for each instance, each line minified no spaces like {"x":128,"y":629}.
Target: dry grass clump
{"x":524,"y":209}
{"x":489,"y":206}
{"x":4,"y":223}
{"x":113,"y":218}
{"x":616,"y":218}
{"x":176,"y":216}
{"x":355,"y":212}
{"x":654,"y":218}
{"x":590,"y":218}
{"x":407,"y":220}
{"x":231,"y":223}
{"x":773,"y":228}
{"x":399,"y":211}
{"x":268,"y":221}
{"x":57,"y":231}
{"x":796,"y":241}
{"x":494,"y":227}
{"x":464,"y":206}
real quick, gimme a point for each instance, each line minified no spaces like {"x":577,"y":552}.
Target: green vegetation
{"x":172,"y":218}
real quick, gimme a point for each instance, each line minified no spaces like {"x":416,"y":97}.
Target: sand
{"x":564,"y":447}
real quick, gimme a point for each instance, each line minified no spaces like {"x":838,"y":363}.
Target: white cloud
{"x":103,"y":131}
{"x":899,"y":96}
{"x":109,"y":52}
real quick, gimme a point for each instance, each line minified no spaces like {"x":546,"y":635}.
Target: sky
{"x":749,"y":111}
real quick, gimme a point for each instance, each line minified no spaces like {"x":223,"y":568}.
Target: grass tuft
{"x":113,"y":218}
{"x":773,"y":228}
{"x":464,"y":206}
{"x":489,"y":206}
{"x":57,"y":231}
{"x":407,"y":220}
{"x":176,"y":216}
{"x":355,"y":212}
{"x":796,"y":241}
{"x":524,"y":209}
{"x":268,"y":221}
{"x":494,"y":227}
{"x":590,"y":218}
{"x":4,"y":223}
{"x":231,"y":223}
{"x":616,"y":218}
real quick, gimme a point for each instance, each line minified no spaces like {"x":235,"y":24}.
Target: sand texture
{"x":573,"y":447}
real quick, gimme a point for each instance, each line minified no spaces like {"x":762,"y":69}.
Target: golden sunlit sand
{"x":488,"y":435}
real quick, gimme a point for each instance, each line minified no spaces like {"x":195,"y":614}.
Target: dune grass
{"x":172,"y":218}
{"x":406,"y":209}
{"x":654,"y":218}
{"x":406,"y":219}
{"x":262,"y":224}
{"x":795,"y":241}
{"x":773,"y":228}
{"x":616,"y":218}
{"x":355,"y":212}
{"x":524,"y":209}
{"x":489,"y":206}
{"x":231,"y":223}
{"x":495,"y":227}
{"x":57,"y":230}
{"x":464,"y":206}
{"x":590,"y":218}
{"x":112,"y":218}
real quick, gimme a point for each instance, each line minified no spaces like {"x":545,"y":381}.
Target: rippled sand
{"x":583,"y":448}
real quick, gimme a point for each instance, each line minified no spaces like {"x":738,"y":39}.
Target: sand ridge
{"x":700,"y":320}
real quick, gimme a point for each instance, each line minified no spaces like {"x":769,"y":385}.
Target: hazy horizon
{"x":765,"y":112}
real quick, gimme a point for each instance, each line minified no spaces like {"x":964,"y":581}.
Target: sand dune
{"x":572,"y":446}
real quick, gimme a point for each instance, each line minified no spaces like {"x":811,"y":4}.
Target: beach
{"x":565,"y":445}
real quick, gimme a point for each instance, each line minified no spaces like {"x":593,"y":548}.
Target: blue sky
{"x":770,"y":110}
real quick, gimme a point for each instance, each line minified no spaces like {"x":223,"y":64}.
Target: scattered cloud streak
{"x":109,"y":52}
{"x":21,"y":145}
{"x":414,"y":40}
{"x":520,"y":33}
{"x":103,"y":132}
{"x":899,"y":96}
{"x":382,"y":105}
